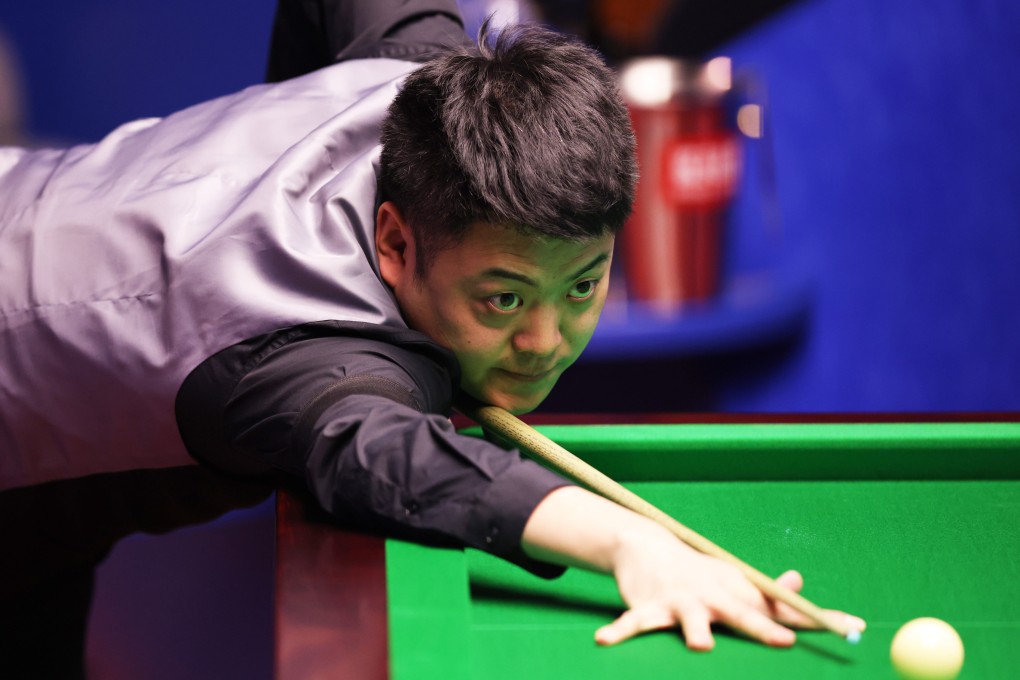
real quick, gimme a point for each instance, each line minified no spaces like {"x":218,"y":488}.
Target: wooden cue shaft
{"x":541,"y":447}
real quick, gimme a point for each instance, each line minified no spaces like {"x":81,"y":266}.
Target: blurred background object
{"x":689,"y":157}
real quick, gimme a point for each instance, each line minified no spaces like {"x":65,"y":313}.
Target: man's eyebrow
{"x":499,"y":272}
{"x":599,"y":259}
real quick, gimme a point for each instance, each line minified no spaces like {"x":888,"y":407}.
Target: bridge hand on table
{"x":666,"y":584}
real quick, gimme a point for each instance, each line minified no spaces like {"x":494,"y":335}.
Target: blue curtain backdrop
{"x":895,"y":142}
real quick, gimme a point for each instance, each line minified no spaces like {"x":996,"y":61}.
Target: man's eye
{"x":505,"y":302}
{"x":583,"y":289}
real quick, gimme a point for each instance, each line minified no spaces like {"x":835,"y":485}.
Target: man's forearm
{"x":575,"y":527}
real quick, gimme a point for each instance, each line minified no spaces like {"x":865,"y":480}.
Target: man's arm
{"x":387,"y":464}
{"x":363,"y":421}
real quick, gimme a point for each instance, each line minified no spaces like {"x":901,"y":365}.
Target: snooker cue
{"x":545,"y":450}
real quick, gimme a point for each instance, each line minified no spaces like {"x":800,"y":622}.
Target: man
{"x":255,"y":283}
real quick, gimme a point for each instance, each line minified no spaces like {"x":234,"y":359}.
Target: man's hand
{"x":664,"y":582}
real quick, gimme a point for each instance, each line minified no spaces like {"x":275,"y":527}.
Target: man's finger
{"x":633,"y":622}
{"x":696,"y":624}
{"x":790,"y":617}
{"x":755,"y":625}
{"x":791,"y":580}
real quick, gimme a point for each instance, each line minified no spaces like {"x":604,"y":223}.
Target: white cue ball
{"x":927,"y":649}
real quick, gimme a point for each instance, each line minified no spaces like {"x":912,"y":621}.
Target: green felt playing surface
{"x":889,"y":545}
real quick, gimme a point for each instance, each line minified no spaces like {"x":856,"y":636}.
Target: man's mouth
{"x":530,"y":376}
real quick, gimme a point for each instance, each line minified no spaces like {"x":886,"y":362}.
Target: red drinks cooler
{"x":689,"y":159}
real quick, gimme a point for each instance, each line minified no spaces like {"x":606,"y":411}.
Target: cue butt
{"x":555,"y":456}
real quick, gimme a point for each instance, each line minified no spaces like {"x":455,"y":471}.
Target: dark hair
{"x":526,"y":129}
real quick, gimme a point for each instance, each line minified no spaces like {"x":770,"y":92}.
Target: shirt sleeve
{"x":363,"y":422}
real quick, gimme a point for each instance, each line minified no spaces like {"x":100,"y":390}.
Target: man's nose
{"x":540,"y":333}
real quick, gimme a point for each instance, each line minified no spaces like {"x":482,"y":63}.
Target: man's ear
{"x":394,"y":244}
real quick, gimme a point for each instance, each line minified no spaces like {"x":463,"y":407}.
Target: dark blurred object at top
{"x":680,"y":28}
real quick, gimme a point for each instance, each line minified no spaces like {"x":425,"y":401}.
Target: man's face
{"x":516,"y":309}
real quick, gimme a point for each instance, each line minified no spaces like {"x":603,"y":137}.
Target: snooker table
{"x":890,"y":519}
